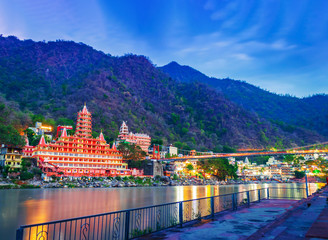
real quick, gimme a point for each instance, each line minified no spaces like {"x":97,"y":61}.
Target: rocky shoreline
{"x":116,"y":182}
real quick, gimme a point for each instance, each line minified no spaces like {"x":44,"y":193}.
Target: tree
{"x":289,"y":158}
{"x":219,"y":168}
{"x":37,"y":171}
{"x":227,"y":149}
{"x":156,"y":142}
{"x":10,"y":136}
{"x":175,"y":177}
{"x":5,"y":171}
{"x":131,"y":151}
{"x":259,"y":160}
{"x":262,"y":170}
{"x":189,"y":167}
{"x":299,"y":174}
{"x":310,"y":162}
{"x":322,"y":165}
{"x":26,"y":175}
{"x":30,"y":135}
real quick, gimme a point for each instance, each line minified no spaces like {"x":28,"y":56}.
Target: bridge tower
{"x":156,"y":153}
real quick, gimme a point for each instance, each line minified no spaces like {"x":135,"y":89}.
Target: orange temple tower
{"x":80,"y":154}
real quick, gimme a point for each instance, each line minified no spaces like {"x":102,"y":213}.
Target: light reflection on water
{"x":29,"y":206}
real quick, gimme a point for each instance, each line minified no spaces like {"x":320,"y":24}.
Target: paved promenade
{"x":308,"y":220}
{"x":269,"y":219}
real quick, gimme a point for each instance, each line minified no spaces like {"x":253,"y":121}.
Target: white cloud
{"x":282,"y":45}
{"x":242,"y":56}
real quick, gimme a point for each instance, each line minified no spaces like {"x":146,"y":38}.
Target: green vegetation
{"x":219,"y":168}
{"x":175,"y":177}
{"x":260,"y":160}
{"x":8,"y":120}
{"x":289,"y":158}
{"x":26,"y":172}
{"x":321,"y":163}
{"x":227,"y":149}
{"x":189,"y":167}
{"x":188,"y":114}
{"x":131,"y":151}
{"x":26,"y":175}
{"x":299,"y":174}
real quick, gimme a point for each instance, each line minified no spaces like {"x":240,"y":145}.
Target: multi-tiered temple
{"x":80,"y":154}
{"x":140,"y":139}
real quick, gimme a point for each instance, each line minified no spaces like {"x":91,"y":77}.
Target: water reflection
{"x":29,"y":206}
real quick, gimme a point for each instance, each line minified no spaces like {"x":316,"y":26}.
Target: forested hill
{"x":50,"y":81}
{"x":309,"y":112}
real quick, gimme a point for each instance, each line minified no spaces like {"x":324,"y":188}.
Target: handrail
{"x":136,"y":222}
{"x":151,"y":206}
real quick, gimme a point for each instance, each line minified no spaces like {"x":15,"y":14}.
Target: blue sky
{"x":280,"y":46}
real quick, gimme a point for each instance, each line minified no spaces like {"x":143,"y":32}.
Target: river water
{"x":29,"y":206}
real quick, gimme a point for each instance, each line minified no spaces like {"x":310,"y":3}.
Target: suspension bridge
{"x":193,"y":154}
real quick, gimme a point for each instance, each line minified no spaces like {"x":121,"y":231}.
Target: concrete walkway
{"x":269,"y":219}
{"x":307,"y":221}
{"x":231,"y":225}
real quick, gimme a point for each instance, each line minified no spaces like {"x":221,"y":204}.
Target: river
{"x":29,"y":206}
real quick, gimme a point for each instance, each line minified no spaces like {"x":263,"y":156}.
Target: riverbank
{"x":120,"y":182}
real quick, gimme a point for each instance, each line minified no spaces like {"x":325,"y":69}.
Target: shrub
{"x":26,"y":175}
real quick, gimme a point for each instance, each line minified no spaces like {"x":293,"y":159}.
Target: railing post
{"x":127,"y":225}
{"x":212,"y":206}
{"x":259,"y":194}
{"x":234,"y":201}
{"x":181,"y":213}
{"x":268,"y":193}
{"x":306,"y":184}
{"x":19,"y":234}
{"x":248,"y":200}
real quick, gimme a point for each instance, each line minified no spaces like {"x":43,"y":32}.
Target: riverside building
{"x":140,"y":139}
{"x":11,"y":156}
{"x":80,"y":154}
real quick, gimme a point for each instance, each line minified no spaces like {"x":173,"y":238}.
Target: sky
{"x":280,"y":46}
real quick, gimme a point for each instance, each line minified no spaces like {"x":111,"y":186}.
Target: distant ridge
{"x":310,"y":112}
{"x":52,"y":80}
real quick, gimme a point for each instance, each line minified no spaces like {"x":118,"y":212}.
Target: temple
{"x":140,"y":139}
{"x":27,"y":149}
{"x":80,"y":154}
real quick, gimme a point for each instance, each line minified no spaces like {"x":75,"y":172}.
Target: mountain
{"x":310,"y":112}
{"x":50,"y":82}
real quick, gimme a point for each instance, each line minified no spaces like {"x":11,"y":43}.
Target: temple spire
{"x":64,"y":133}
{"x":114,"y":146}
{"x":42,"y":141}
{"x":84,"y":125}
{"x":101,"y":136}
{"x":85,"y":110}
{"x":124,"y":130}
{"x":26,"y":141}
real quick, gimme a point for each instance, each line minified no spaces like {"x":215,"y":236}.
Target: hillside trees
{"x":9,"y":135}
{"x":54,"y":79}
{"x":219,"y":168}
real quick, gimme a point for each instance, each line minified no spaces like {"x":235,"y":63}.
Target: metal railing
{"x":131,"y":223}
